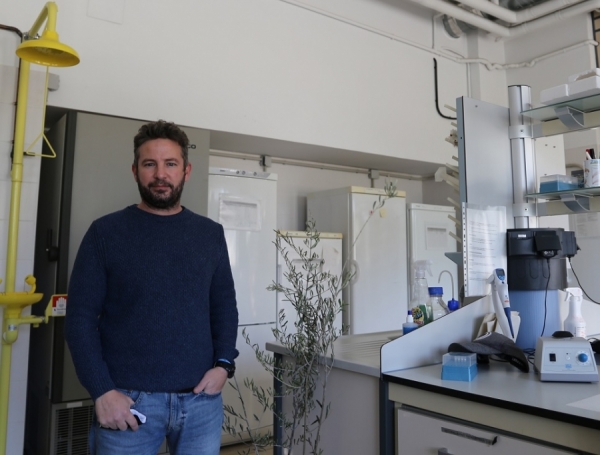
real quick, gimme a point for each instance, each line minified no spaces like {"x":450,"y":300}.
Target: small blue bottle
{"x":410,"y":324}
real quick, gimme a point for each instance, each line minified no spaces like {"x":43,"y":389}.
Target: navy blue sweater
{"x":151,"y":302}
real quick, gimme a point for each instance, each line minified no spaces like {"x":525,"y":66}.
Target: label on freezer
{"x":239,"y":213}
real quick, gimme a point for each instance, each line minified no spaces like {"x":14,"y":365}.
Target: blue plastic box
{"x":557,"y":182}
{"x":459,"y":366}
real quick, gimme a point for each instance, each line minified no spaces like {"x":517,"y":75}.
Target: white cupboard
{"x":436,"y":434}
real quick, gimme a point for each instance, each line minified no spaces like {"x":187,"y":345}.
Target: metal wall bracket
{"x":571,"y":117}
{"x":576,"y":204}
{"x":520,"y":131}
{"x":525,"y":209}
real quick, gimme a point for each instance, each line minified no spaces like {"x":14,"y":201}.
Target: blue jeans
{"x":191,"y":423}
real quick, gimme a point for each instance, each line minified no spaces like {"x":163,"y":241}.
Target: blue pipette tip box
{"x":556,"y":182}
{"x":459,"y":366}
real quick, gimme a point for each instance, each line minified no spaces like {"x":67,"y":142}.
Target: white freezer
{"x":429,"y":232}
{"x":248,"y":367}
{"x":245,"y":203}
{"x":329,"y":253}
{"x":377,"y":297}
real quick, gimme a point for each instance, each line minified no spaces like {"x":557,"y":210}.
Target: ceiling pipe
{"x":579,"y":9}
{"x":494,"y":28}
{"x":518,"y":17}
{"x":461,"y":14}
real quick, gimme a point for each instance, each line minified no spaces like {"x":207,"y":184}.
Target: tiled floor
{"x":240,"y":448}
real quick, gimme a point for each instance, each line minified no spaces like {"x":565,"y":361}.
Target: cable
{"x":578,"y":282}
{"x":10,"y":28}
{"x":20,"y":33}
{"x":437,"y":106}
{"x":546,"y":297}
{"x":530,"y":354}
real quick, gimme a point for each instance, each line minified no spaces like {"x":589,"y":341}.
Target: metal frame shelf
{"x":567,"y":202}
{"x":571,"y":115}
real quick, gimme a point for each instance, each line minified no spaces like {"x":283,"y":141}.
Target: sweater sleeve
{"x":223,"y":307}
{"x":87,"y":290}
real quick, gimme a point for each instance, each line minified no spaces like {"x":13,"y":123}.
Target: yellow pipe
{"x":12,"y":303}
{"x":11,"y":251}
{"x":11,"y":334}
{"x":4,"y":388}
{"x":9,"y":305}
{"x":49,"y":11}
{"x":17,"y":178}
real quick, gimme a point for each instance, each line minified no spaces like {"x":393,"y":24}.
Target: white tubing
{"x":581,"y":8}
{"x":461,"y":14}
{"x":445,"y":53}
{"x":518,"y":17}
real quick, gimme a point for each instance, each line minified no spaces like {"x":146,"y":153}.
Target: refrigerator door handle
{"x":279,"y":274}
{"x":51,"y":250}
{"x":355,"y":271}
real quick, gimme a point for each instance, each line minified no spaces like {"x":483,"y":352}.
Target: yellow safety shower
{"x":47,"y":51}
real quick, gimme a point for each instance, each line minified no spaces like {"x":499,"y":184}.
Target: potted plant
{"x":309,"y":345}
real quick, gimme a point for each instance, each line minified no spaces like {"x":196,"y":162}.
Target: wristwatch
{"x":227,"y":366}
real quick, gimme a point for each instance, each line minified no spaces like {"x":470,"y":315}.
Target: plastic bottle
{"x":438,"y":307}
{"x":574,"y":322}
{"x":419,"y":303}
{"x":410,"y":324}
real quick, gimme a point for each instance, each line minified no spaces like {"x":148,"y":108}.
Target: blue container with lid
{"x":459,"y":366}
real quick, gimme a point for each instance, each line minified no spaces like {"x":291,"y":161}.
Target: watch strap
{"x":227,"y":366}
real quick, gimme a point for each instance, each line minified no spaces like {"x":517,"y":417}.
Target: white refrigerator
{"x":245,"y":203}
{"x":377,"y":297}
{"x":328,"y":254}
{"x":429,"y":231}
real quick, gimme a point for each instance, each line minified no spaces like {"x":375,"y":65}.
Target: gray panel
{"x":484,"y":158}
{"x":41,"y":344}
{"x":71,"y":389}
{"x":485,"y":155}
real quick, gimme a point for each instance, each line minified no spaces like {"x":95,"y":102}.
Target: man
{"x":152,"y":320}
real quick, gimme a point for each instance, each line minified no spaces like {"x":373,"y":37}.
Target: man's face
{"x":160,"y":175}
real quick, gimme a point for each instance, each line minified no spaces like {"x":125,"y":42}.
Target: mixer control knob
{"x":582,"y":357}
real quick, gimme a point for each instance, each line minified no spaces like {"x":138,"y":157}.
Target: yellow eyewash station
{"x":47,"y":51}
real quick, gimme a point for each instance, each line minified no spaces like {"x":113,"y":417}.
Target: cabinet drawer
{"x":425,"y":434}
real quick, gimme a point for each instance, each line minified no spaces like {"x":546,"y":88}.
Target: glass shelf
{"x":544,"y":113}
{"x":557,"y":195}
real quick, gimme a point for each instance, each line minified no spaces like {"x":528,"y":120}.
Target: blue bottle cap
{"x":437,"y":290}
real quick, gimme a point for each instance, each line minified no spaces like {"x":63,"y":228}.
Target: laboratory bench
{"x":386,"y":394}
{"x":502,"y":410}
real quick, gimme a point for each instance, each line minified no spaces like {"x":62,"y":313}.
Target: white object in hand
{"x":141,"y":416}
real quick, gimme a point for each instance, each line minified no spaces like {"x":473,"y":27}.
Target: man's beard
{"x":161,"y":201}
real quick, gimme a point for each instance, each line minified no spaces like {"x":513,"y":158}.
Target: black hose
{"x":12,"y":29}
{"x":20,"y":33}
{"x":437,"y":107}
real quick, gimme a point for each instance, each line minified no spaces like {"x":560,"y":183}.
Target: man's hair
{"x":160,"y":130}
